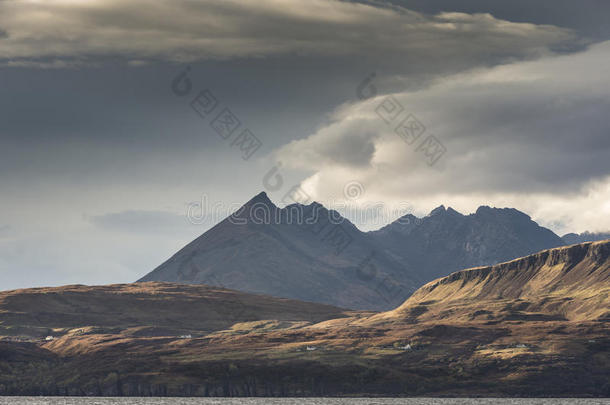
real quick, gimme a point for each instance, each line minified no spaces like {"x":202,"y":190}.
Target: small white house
{"x":311,"y":348}
{"x":186,"y":336}
{"x":407,"y":347}
{"x":49,"y":338}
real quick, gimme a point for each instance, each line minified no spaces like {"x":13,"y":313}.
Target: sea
{"x":296,"y":401}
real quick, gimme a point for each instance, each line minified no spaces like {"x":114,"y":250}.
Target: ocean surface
{"x":294,"y":401}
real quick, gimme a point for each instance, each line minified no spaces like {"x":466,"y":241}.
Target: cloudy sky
{"x":119,"y":118}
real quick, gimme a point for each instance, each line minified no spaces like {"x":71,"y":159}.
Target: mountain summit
{"x":261,"y":199}
{"x":302,"y":251}
{"x":310,"y":253}
{"x":446,"y":240}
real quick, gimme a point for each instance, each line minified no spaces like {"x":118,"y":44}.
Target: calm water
{"x":293,"y":401}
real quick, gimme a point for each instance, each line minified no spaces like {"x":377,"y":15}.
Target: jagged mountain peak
{"x":573,"y":238}
{"x":261,"y":199}
{"x":437,"y":211}
{"x":313,"y":253}
{"x":313,"y":204}
{"x":303,"y":251}
{"x":441,"y":209}
{"x":487,"y":210}
{"x":453,"y":212}
{"x":447,"y":239}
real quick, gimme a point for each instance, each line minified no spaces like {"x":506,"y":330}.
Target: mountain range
{"x":575,"y":238}
{"x":535,"y":326}
{"x":310,"y":253}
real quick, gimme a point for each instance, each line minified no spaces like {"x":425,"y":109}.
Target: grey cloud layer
{"x":96,"y":159}
{"x":526,"y":128}
{"x":182,"y":30}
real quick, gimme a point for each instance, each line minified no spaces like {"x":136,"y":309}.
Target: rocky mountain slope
{"x":313,"y":254}
{"x":447,"y":241}
{"x":535,"y":326}
{"x":301,"y":252}
{"x":574,"y":238}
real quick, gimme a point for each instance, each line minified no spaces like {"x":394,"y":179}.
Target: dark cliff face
{"x":309,"y":253}
{"x":304,"y":252}
{"x":446,"y":241}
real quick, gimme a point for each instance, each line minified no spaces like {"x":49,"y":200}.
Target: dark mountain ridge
{"x":310,"y":253}
{"x":301,"y":251}
{"x":446,"y":240}
{"x":574,"y":238}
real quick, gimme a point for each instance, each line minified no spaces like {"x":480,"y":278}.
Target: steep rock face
{"x":571,"y":282}
{"x":447,"y":241}
{"x":309,"y":253}
{"x":302,"y":252}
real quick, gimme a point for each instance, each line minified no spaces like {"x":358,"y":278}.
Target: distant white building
{"x":407,"y":347}
{"x":186,"y":336}
{"x":311,"y":348}
{"x":49,"y":338}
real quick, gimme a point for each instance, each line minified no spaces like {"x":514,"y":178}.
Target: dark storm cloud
{"x":186,"y":31}
{"x":588,"y":17}
{"x":282,"y":96}
{"x":99,"y":130}
{"x":518,"y":128}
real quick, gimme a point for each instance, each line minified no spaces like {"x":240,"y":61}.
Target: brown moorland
{"x":534,"y":326}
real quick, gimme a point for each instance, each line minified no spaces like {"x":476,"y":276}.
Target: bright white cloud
{"x":530,"y":135}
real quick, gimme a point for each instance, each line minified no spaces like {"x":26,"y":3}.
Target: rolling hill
{"x":569,"y":283}
{"x":145,"y":309}
{"x":535,"y":326}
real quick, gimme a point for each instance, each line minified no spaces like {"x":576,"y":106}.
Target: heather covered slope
{"x":144,"y":309}
{"x":535,"y":326}
{"x":570,"y":283}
